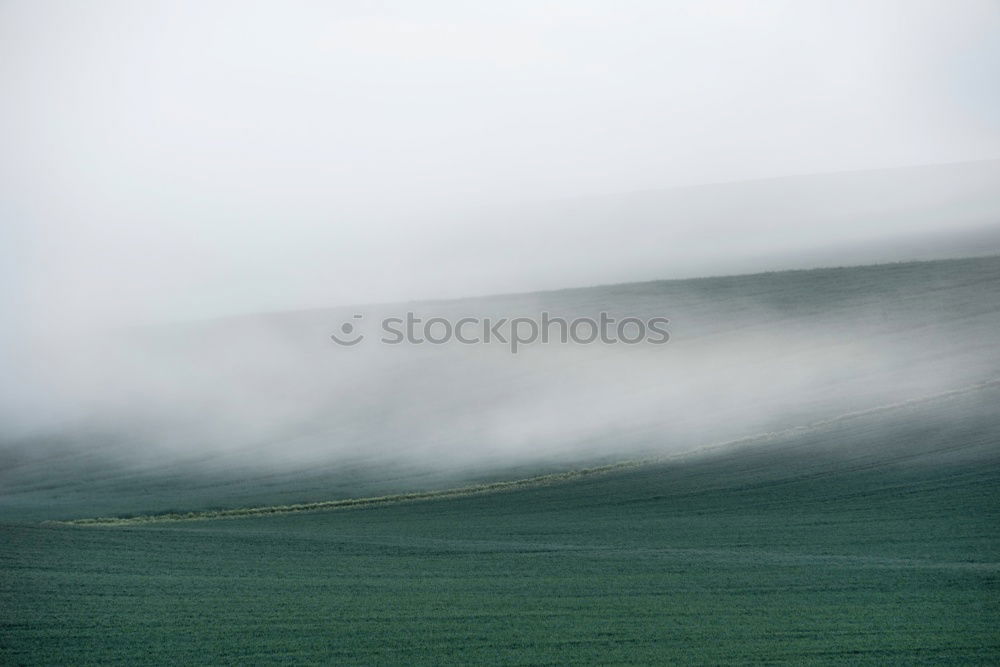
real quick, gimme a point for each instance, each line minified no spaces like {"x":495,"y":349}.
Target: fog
{"x":168,"y":166}
{"x":747,"y":355}
{"x":179,"y":159}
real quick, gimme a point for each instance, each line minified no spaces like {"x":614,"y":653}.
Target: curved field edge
{"x":441,"y":494}
{"x":509,"y":485}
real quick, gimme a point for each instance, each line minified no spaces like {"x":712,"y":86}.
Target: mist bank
{"x":272,"y":397}
{"x":157,"y":264}
{"x":928,"y":212}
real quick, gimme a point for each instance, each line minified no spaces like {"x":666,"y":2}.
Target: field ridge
{"x":508,"y":485}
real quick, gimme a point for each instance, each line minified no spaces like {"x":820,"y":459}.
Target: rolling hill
{"x":266,"y":410}
{"x":872,"y":540}
{"x":810,"y":476}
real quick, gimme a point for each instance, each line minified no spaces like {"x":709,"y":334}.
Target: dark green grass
{"x":873,"y":540}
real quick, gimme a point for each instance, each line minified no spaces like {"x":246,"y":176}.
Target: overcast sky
{"x":164,"y":160}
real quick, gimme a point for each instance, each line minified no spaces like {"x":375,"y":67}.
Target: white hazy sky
{"x":166,"y":160}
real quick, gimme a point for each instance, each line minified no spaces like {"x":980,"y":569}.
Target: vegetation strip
{"x":495,"y":487}
{"x":351,"y":502}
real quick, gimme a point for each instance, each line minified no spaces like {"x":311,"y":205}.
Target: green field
{"x":870,"y":538}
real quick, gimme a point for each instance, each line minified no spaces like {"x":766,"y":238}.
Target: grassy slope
{"x":869,"y":540}
{"x":873,"y":539}
{"x":945,"y":313}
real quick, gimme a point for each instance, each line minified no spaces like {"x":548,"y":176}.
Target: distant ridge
{"x":848,"y":218}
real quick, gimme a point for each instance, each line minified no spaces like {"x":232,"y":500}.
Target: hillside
{"x":265,"y":410}
{"x":870,"y":541}
{"x":811,"y":477}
